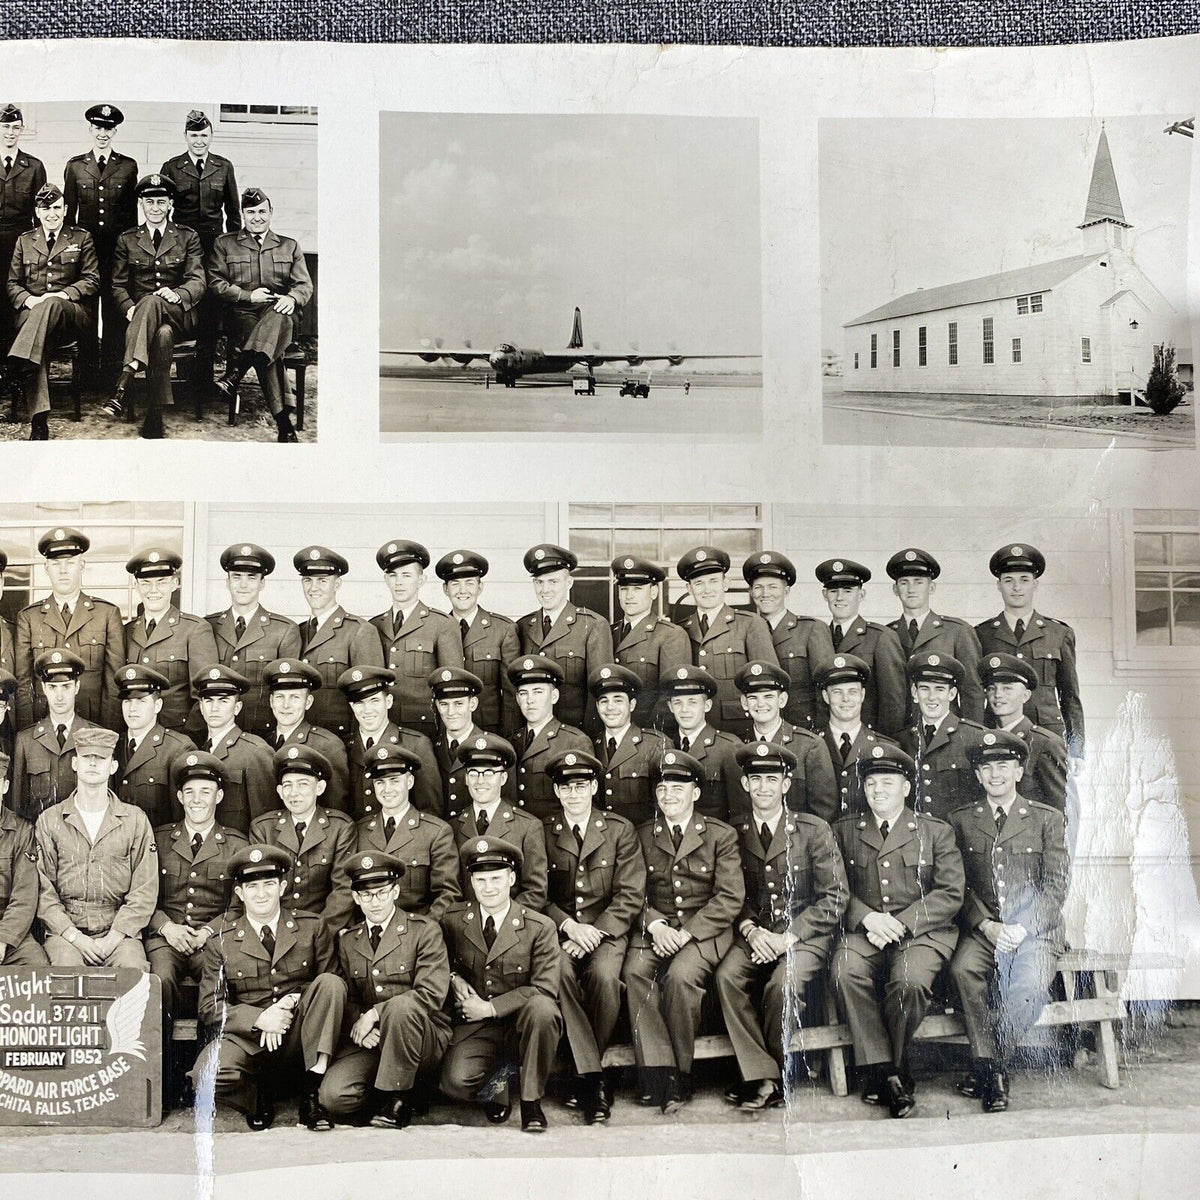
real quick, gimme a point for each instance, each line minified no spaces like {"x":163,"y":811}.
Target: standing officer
{"x":796,"y":893}
{"x":204,"y":185}
{"x":578,"y":639}
{"x":939,"y":741}
{"x":332,"y":639}
{"x":248,"y":636}
{"x":597,"y":885}
{"x":694,"y":893}
{"x":70,"y":619}
{"x":1012,"y":928}
{"x":157,"y":282}
{"x":489,"y":640}
{"x":148,"y":750}
{"x":646,"y":643}
{"x":415,"y":637}
{"x":920,"y":630}
{"x":906,"y":888}
{"x":22,"y":178}
{"x":627,"y":751}
{"x":8,"y":696}
{"x":504,"y":983}
{"x":18,"y":885}
{"x":802,"y":644}
{"x":724,"y":639}
{"x":456,"y":696}
{"x":8,"y":654}
{"x":1048,"y":645}
{"x":177,"y":644}
{"x":399,"y":975}
{"x":52,"y":282}
{"x":99,"y":188}
{"x":885,"y":704}
{"x":291,"y":685}
{"x":268,"y":993}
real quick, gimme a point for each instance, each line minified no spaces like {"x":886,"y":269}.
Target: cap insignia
{"x":682,"y":673}
{"x":839,"y":566}
{"x":934,"y":660}
{"x":256,"y":856}
{"x":367,"y":863}
{"x":357,"y":676}
{"x":481,"y":743}
{"x":839,"y":661}
{"x":989,"y":739}
{"x":1017,"y":551}
{"x":539,"y":554}
{"x":481,"y":846}
{"x":877,"y":752}
{"x":701,"y":555}
{"x":192,"y":760}
{"x":56,"y":657}
{"x":910,"y":555}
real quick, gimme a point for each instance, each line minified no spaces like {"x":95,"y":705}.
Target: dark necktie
{"x":612,"y":748}
{"x":310,"y":629}
{"x":397,"y":621}
{"x":764,"y":832}
{"x":578,"y":836}
{"x":481,"y":821}
{"x":624,"y":632}
{"x":279,"y":740}
{"x":704,"y":625}
{"x":676,"y":835}
{"x":239,"y":627}
{"x":268,"y":941}
{"x":61,"y":732}
{"x":301,"y":826}
{"x":66,"y":614}
{"x":463,"y":628}
{"x":453,"y":748}
{"x":197,"y":842}
{"x":50,"y":239}
{"x":368,"y":743}
{"x":1019,"y":630}
{"x":258,"y":237}
{"x":101,"y":163}
{"x":844,"y":746}
{"x":685,"y":743}
{"x":151,"y":625}
{"x":1001,"y":817}
{"x":913,"y":630}
{"x":837,"y":636}
{"x":7,"y":163}
{"x":489,"y":932}
{"x":930,"y":733}
{"x":199,"y":166}
{"x":374,"y":934}
{"x":157,"y":239}
{"x":131,"y":751}
{"x":883,"y":830}
{"x":389,"y":827}
{"x":545,"y":626}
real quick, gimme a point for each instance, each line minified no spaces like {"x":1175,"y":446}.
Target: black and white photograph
{"x":558,"y":275}
{"x":1006,"y":282}
{"x":160,"y":264}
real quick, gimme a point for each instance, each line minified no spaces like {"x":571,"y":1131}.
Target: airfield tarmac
{"x":718,"y":408}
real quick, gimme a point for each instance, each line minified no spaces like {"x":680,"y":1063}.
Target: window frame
{"x":952,"y":343}
{"x":874,"y":351}
{"x":311,"y":117}
{"x":895,"y":349}
{"x":989,"y":341}
{"x":1085,"y":350}
{"x":922,"y":345}
{"x":1016,"y":349}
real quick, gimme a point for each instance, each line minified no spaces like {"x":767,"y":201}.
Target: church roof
{"x":1040,"y":277}
{"x":1104,"y":198}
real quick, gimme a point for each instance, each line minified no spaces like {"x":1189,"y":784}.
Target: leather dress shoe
{"x":313,"y":1114}
{"x":394,"y":1113}
{"x":497,"y":1114}
{"x":768,"y":1095}
{"x":737,"y":1093}
{"x":901,"y":1101}
{"x":970,"y":1085}
{"x":262,"y":1115}
{"x":596,"y":1106}
{"x":995,"y":1097}
{"x":533,"y":1120}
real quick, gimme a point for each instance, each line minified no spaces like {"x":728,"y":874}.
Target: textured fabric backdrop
{"x":753,"y":22}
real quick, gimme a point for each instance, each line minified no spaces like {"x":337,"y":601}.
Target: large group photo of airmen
{"x":428,"y":856}
{"x":123,"y":266}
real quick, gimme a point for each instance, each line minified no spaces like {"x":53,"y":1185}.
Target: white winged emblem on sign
{"x":124,"y":1020}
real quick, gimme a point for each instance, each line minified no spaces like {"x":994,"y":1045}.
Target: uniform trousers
{"x":264,"y":336}
{"x":173,"y":969}
{"x":26,"y":953}
{"x":589,"y":995}
{"x":52,"y":323}
{"x":127,"y":953}
{"x":150,"y":340}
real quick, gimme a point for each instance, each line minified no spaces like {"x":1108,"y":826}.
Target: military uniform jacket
{"x":199,"y":199}
{"x":455,"y":795}
{"x":797,"y":883}
{"x":804,"y":649}
{"x":249,"y":778}
{"x":428,"y":639}
{"x":514,"y":825}
{"x":1049,"y":647}
{"x":17,"y":191}
{"x":267,"y":637}
{"x":337,"y":788}
{"x":239,"y":980}
{"x":652,"y":649}
{"x":602,"y":883}
{"x":579,"y":641}
{"x":145,"y":776}
{"x":71,"y":267}
{"x":95,"y":633}
{"x":426,"y":791}
{"x":946,"y":635}
{"x":523,"y":960}
{"x":735,"y":637}
{"x":851,"y":799}
{"x":192,"y":891}
{"x":18,"y":878}
{"x":8,"y":655}
{"x":916,"y":874}
{"x":411,"y":957}
{"x":814,"y":789}
{"x":180,"y":646}
{"x":490,"y":644}
{"x":139,"y":270}
{"x":698,"y":887}
{"x":1018,"y":876}
{"x":627,"y":788}
{"x":535,"y":791}
{"x":42,"y":775}
{"x":238,"y":265}
{"x":328,"y":839}
{"x":104,"y":205}
{"x":342,"y":641}
{"x":945,"y":778}
{"x":1045,"y":777}
{"x":886,"y":702}
{"x":721,"y":793}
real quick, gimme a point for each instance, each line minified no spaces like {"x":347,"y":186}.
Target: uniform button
{"x":379,"y":987}
{"x":886,"y":863}
{"x":883,"y":882}
{"x":193,"y":874}
{"x":886,"y":899}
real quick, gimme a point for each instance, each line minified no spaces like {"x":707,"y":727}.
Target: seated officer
{"x":1008,"y":683}
{"x":537,"y":681}
{"x":269,"y":995}
{"x":456,"y":697}
{"x":52,"y":282}
{"x":175,"y":643}
{"x":262,"y":283}
{"x":317,"y":838}
{"x":8,"y":700}
{"x":291,"y":686}
{"x":98,"y":871}
{"x":844,"y":689}
{"x":504,"y":989}
{"x":940,"y":742}
{"x":796,"y":894}
{"x":367,"y":691}
{"x":18,"y":885}
{"x":147,"y":750}
{"x":765,"y":698}
{"x":597,"y":886}
{"x":486,"y":763}
{"x":627,"y":751}
{"x":245,"y":759}
{"x":694,"y":893}
{"x":906,"y":887}
{"x":1015,"y":855}
{"x":690,"y":693}
{"x":399,"y":977}
{"x":43,"y":768}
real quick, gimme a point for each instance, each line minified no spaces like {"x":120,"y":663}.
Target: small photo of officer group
{"x":159,"y":267}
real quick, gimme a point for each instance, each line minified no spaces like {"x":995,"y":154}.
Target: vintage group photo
{"x":550,"y":815}
{"x":159,"y":263}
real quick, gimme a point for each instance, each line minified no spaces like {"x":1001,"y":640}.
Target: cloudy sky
{"x":919,"y":203}
{"x":494,"y":227}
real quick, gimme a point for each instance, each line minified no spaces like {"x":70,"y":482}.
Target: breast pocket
{"x":484,"y":664}
{"x":1046,"y":663}
{"x":574,"y":667}
{"x":917,"y":874}
{"x":173,"y":667}
{"x":40,"y":786}
{"x":91,"y":650}
{"x":239,"y":269}
{"x":417,"y":663}
{"x":281,"y":267}
{"x":727,"y":662}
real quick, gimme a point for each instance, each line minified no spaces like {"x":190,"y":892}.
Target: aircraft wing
{"x":634,"y":357}
{"x":460,"y":354}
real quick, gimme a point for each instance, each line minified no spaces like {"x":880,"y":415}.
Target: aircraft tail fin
{"x":576,"y":342}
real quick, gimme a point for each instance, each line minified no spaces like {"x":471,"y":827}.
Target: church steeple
{"x":1104,"y":221}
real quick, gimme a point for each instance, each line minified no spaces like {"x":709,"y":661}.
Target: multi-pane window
{"x":952,"y":336}
{"x":922,"y":346}
{"x":1085,"y":349}
{"x":895,"y":347}
{"x":1166,"y":563}
{"x":1029,"y":304}
{"x":989,"y":340}
{"x":271,"y":114}
{"x":874,"y":350}
{"x":1035,"y":302}
{"x":1016,"y":350}
{"x":856,"y":360}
